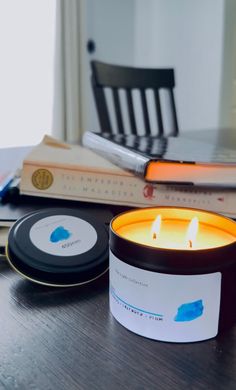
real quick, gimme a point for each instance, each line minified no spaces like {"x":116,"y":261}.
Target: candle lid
{"x":58,"y":247}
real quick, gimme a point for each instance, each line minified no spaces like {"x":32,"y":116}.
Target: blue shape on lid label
{"x":189,"y":311}
{"x":59,"y":234}
{"x":63,"y":235}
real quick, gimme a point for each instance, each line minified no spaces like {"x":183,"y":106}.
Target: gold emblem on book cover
{"x":42,"y":179}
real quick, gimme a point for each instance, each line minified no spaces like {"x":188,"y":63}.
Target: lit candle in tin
{"x":176,"y":228}
{"x":173,"y":273}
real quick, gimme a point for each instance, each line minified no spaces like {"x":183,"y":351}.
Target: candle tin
{"x":169,"y":294}
{"x":58,"y":247}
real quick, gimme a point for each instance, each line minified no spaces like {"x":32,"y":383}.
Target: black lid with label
{"x":58,"y":247}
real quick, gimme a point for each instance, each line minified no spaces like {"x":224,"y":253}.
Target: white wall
{"x":27,"y":30}
{"x":186,"y":35}
{"x":228,"y":95}
{"x":111,"y":24}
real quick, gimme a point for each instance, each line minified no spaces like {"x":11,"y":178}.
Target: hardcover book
{"x":167,"y":160}
{"x":57,"y":170}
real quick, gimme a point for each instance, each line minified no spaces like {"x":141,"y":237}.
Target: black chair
{"x":128,"y":79}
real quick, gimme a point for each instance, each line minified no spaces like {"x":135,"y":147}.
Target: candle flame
{"x":156,"y":227}
{"x":192,"y":232}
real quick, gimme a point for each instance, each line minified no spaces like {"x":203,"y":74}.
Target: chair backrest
{"x":129,"y":79}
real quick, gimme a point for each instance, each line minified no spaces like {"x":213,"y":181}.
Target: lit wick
{"x":156,"y":227}
{"x":192,"y":232}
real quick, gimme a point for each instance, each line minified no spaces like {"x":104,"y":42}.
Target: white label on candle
{"x":176,"y":308}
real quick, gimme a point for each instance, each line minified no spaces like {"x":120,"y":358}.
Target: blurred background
{"x":46,"y":47}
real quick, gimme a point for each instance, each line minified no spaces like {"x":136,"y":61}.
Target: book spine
{"x":117,"y":154}
{"x":120,"y":190}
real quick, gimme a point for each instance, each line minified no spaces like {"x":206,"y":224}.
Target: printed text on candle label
{"x":133,"y":280}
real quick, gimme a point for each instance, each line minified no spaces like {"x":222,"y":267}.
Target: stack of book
{"x":133,"y":171}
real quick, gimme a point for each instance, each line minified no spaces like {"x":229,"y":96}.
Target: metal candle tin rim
{"x":46,"y":282}
{"x":176,"y":261}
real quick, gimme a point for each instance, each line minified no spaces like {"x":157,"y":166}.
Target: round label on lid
{"x":58,"y":247}
{"x":63,"y":235}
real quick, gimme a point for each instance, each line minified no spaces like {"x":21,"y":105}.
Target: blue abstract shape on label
{"x":189,"y":311}
{"x":59,"y":234}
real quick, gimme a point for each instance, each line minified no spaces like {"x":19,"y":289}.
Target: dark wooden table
{"x":68,"y":339}
{"x":55,"y":338}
